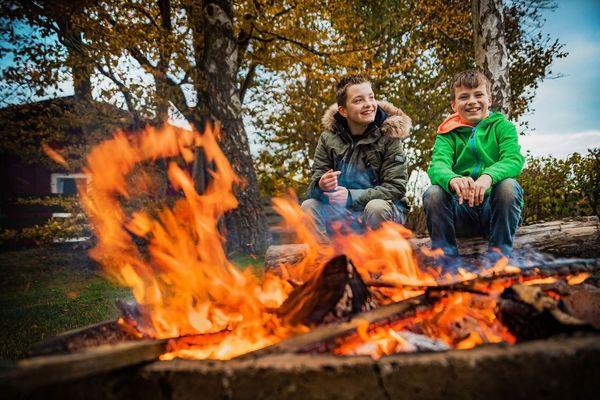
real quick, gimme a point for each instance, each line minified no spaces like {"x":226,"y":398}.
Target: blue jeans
{"x":376,"y":211}
{"x":497,"y":218}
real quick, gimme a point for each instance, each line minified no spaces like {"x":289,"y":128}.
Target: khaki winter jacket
{"x":373,"y":165}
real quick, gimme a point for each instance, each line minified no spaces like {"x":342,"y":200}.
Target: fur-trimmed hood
{"x":397,"y":124}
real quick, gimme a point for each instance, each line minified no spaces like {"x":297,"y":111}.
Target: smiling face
{"x":360,"y":107}
{"x":472,"y":104}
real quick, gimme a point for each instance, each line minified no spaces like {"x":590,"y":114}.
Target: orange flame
{"x":183,"y":283}
{"x":460,"y":320}
{"x":54,"y":155}
{"x":187,"y":290}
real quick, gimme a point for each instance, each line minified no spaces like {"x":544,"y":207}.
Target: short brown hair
{"x":469,"y":79}
{"x":341,"y":92}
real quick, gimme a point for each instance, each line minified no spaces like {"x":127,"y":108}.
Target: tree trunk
{"x":246,"y":226}
{"x":162,"y":88}
{"x":491,"y":53}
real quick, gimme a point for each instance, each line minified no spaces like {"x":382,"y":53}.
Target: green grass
{"x":243,"y":261}
{"x":46,"y":291}
{"x":49,"y":290}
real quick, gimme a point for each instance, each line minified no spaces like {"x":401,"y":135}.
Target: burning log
{"x":574,"y":237}
{"x":332,"y":295}
{"x":583,"y":301}
{"x":540,"y":311}
{"x":433,"y":310}
{"x":322,"y":338}
{"x":531,"y":314}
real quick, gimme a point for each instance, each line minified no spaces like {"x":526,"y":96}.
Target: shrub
{"x":556,"y":188}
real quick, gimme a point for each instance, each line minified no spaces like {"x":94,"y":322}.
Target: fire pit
{"x":555,"y":368}
{"x":550,"y":369}
{"x":303,"y":366}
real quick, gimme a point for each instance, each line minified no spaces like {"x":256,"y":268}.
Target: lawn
{"x":49,"y":290}
{"x":45,"y":291}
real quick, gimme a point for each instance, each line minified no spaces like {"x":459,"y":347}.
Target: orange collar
{"x":452,"y":122}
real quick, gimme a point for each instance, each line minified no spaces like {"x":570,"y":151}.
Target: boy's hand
{"x":328,"y":181}
{"x":339,"y":197}
{"x":482,"y":184}
{"x":464,"y":187}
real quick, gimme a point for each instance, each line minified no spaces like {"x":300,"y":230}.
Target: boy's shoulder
{"x":497,"y":117}
{"x":499,"y":121}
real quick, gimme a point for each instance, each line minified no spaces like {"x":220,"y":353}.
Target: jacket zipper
{"x":346,"y":163}
{"x":474,"y":150}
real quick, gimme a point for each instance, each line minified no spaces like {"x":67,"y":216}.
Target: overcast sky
{"x":567,"y":110}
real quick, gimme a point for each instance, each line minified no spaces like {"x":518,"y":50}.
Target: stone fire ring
{"x":557,"y":368}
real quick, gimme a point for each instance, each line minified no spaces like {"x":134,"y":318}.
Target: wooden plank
{"x":319,"y":335}
{"x":35,"y":372}
{"x":106,"y":332}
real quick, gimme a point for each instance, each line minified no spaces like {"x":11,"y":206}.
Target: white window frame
{"x":56,"y":176}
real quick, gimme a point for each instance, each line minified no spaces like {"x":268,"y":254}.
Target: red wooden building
{"x":27,"y":172}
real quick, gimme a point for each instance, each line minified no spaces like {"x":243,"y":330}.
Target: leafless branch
{"x":247,"y":81}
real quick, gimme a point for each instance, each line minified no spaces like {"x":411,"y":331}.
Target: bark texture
{"x":246,"y":226}
{"x":491,"y":52}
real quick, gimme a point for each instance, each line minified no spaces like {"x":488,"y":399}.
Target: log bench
{"x":571,"y":237}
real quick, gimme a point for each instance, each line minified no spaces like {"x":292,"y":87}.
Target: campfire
{"x":187,"y":291}
{"x":339,"y":306}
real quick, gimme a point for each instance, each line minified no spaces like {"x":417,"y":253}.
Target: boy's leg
{"x":505,"y":203}
{"x":439,"y":214}
{"x":323,"y":213}
{"x":447,"y":220}
{"x":377,"y":211}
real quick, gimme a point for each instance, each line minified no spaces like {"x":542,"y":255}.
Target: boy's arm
{"x":440,"y":169}
{"x":510,"y":162}
{"x":393,"y":178}
{"x":321,"y":164}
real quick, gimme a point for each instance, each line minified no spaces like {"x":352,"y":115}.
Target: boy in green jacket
{"x":476,"y":158}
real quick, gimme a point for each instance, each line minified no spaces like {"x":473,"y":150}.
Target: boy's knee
{"x":508,"y":190}
{"x":378,"y":207}
{"x":310,"y":204}
{"x":377,"y":211}
{"x":434,"y":195}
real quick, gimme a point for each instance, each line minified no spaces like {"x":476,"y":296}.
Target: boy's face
{"x":471,"y":104}
{"x":360,"y":105}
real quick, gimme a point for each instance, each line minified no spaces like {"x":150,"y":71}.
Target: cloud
{"x":560,"y":145}
{"x":570,"y":104}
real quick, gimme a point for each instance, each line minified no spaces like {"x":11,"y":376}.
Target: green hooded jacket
{"x":491,"y":147}
{"x":373,"y":165}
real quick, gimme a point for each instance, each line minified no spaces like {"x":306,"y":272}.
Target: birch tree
{"x":491,"y":53}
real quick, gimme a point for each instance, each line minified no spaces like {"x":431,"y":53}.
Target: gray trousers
{"x":376,"y":211}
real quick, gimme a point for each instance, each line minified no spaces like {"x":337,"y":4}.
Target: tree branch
{"x":122,"y":87}
{"x":247,"y":81}
{"x":276,"y":36}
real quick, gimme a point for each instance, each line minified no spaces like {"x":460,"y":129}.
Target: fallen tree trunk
{"x":573,"y":237}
